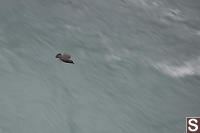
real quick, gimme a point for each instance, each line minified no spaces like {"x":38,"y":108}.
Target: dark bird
{"x":65,"y":58}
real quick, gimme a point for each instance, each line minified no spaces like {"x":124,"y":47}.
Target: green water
{"x":137,"y":66}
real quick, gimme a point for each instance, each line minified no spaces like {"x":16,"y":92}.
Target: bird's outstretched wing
{"x":66,"y":56}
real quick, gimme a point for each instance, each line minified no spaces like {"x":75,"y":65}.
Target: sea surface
{"x":137,"y":65}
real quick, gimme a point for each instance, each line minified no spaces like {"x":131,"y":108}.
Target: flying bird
{"x":65,"y":58}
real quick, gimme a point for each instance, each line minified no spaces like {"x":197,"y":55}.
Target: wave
{"x":188,"y":68}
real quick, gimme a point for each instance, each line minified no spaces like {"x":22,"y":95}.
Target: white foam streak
{"x":187,"y":69}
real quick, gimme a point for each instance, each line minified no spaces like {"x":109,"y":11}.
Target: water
{"x":137,"y":66}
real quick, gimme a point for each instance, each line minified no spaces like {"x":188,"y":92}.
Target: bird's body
{"x":65,"y":58}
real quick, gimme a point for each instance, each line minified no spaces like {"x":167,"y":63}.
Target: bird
{"x":65,"y":58}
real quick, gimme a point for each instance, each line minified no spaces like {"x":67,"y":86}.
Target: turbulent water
{"x":137,"y":66}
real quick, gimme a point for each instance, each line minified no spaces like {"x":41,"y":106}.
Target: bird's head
{"x":58,"y":55}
